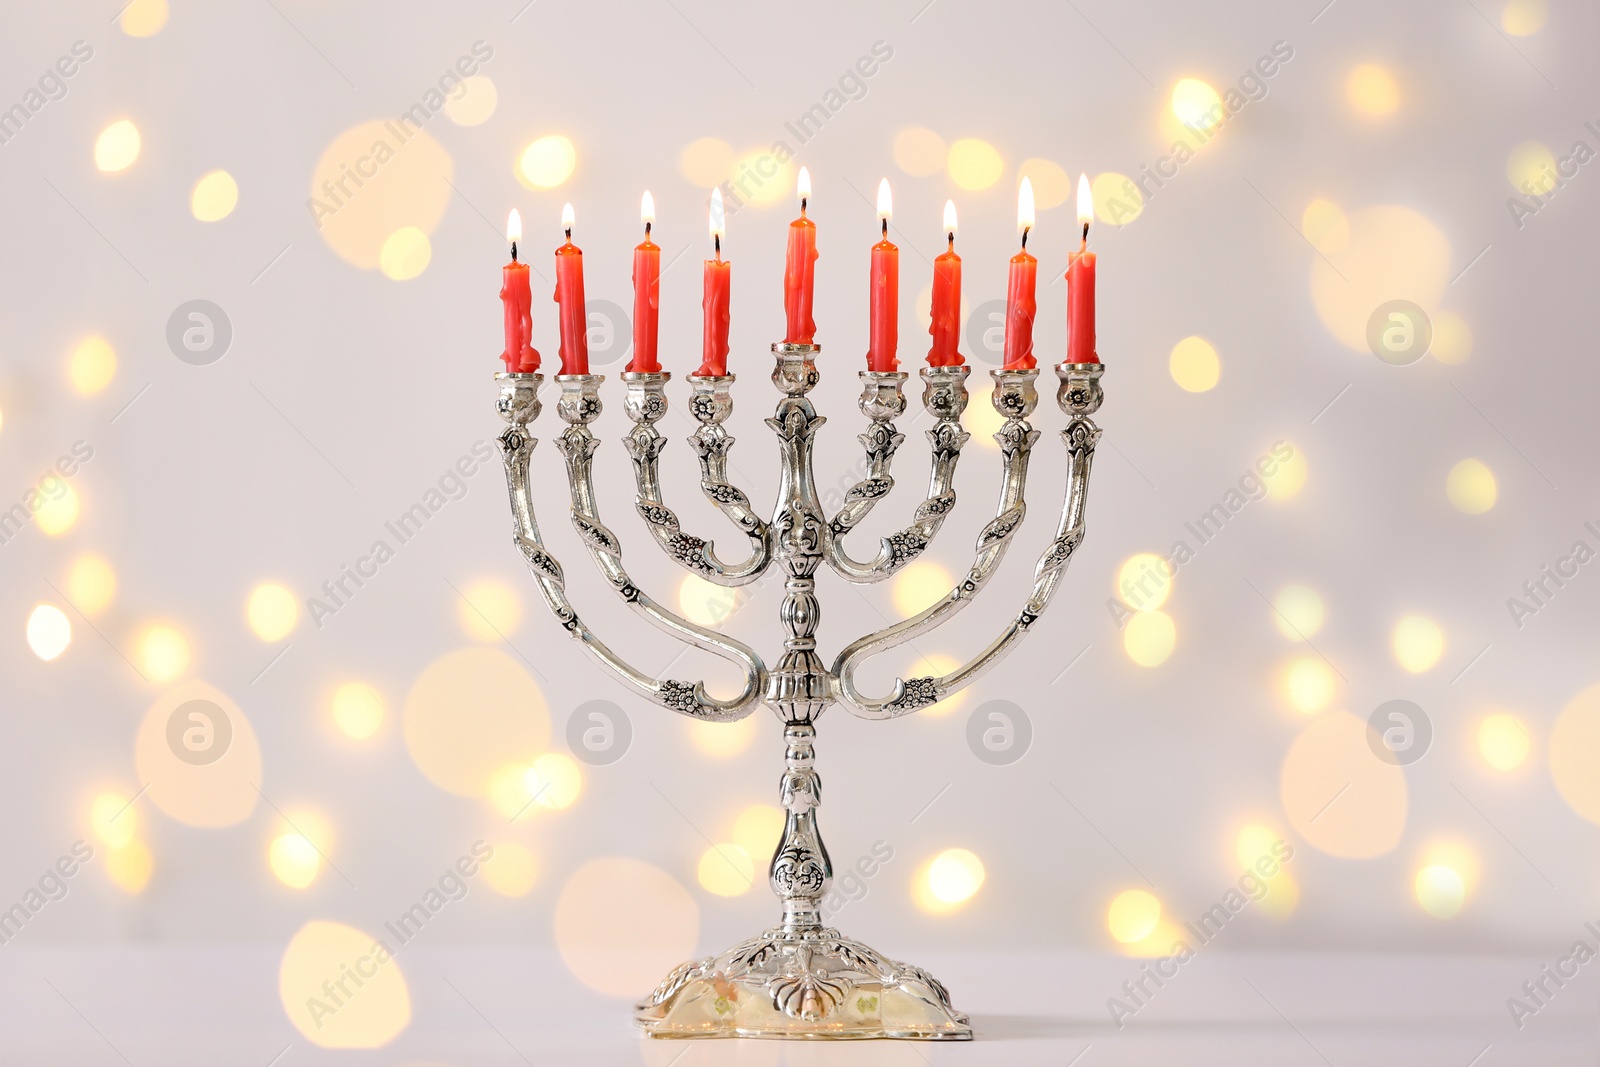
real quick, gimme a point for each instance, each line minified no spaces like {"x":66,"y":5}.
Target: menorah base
{"x":813,"y":983}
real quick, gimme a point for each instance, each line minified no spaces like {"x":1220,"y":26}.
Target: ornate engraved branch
{"x":1014,"y":398}
{"x":944,"y":394}
{"x":579,"y":404}
{"x":710,"y":403}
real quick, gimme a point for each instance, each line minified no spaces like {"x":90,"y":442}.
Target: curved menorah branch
{"x":711,"y":403}
{"x":1015,"y":398}
{"x":945,"y":396}
{"x":519,"y":405}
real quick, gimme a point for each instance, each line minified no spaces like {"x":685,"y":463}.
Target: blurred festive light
{"x":1326,"y":227}
{"x":113,"y":819}
{"x":1116,"y":199}
{"x":1289,"y":477}
{"x":554,"y":781}
{"x":1144,"y":581}
{"x":1574,"y":745}
{"x":950,"y":880}
{"x":272,"y":611}
{"x":357,"y":710}
{"x":1418,"y":642}
{"x":919,"y":151}
{"x":405,"y":254}
{"x":1523,"y":18}
{"x":974,"y":163}
{"x":707,"y":604}
{"x":1052,"y":185}
{"x":91,"y":584}
{"x":49,"y":631}
{"x":981,"y":420}
{"x":922,"y":584}
{"x":1197,"y":105}
{"x":1372,"y":89}
{"x":471,"y":714}
{"x":475,"y":104}
{"x":1194,"y":365}
{"x":547,"y":162}
{"x":621,"y":923}
{"x":508,"y":792}
{"x":1133,"y":915}
{"x":294,"y":860}
{"x":706,"y":162}
{"x":1308,"y":685}
{"x":759,"y":177}
{"x":162,"y":652}
{"x":1531,"y":169}
{"x":130,"y":866}
{"x":1452,"y":338}
{"x":214,"y":196}
{"x":143,"y":18}
{"x":1504,"y":741}
{"x":1255,"y":843}
{"x":1470,"y":485}
{"x":722,"y":740}
{"x":1394,"y":253}
{"x":59,"y":514}
{"x":92,"y":366}
{"x":1440,"y":891}
{"x":367,"y":185}
{"x":117,"y":146}
{"x":511,"y":871}
{"x":1149,"y":638}
{"x":199,"y":756}
{"x":1298,"y":612}
{"x":758,"y":828}
{"x":489,"y":610}
{"x":937,"y":665}
{"x":324,"y":957}
{"x":1336,"y":795}
{"x":726,"y":870}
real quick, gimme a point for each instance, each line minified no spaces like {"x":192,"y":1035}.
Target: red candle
{"x":1080,"y":286}
{"x":569,"y":295}
{"x":1020,"y":287}
{"x":517,"y":301}
{"x":946,"y":324}
{"x":718,"y":273}
{"x":799,"y":272}
{"x":884,"y":299}
{"x":646,"y":294}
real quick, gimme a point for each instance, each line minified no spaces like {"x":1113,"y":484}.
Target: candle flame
{"x":885,"y":206}
{"x":566,"y":216}
{"x":647,"y":208}
{"x":950,"y":217}
{"x":1085,"y":201}
{"x":1025,"y":206}
{"x":802,"y":184}
{"x":514,"y":226}
{"x":719,"y":219}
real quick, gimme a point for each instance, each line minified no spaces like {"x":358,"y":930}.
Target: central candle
{"x":718,"y":273}
{"x":516,"y":301}
{"x":1020,"y":288}
{"x":884,"y":298}
{"x":946,"y":310}
{"x":646,"y":294}
{"x":1080,"y":286}
{"x":799,"y":272}
{"x":569,"y":295}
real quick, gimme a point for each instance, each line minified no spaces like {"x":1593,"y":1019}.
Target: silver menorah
{"x":800,"y":978}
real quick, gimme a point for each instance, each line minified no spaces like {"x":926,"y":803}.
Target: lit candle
{"x":1020,"y":286}
{"x":517,"y":301}
{"x":946,"y":324}
{"x":1080,"y":286}
{"x":646,"y":294}
{"x":800,"y":269}
{"x":884,"y":300}
{"x":569,"y":294}
{"x":718,"y":272}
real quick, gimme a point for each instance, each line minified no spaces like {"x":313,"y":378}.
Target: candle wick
{"x":885,"y":228}
{"x":716,"y":240}
{"x":1025,"y":230}
{"x":647,"y":230}
{"x":951,"y":240}
{"x":802,"y":206}
{"x":1086,"y":234}
{"x":513,"y":251}
{"x":569,"y":235}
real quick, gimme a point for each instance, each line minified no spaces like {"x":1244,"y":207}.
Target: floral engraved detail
{"x":541,"y":561}
{"x":752,"y":954}
{"x":675,"y":980}
{"x":947,"y":438}
{"x":1002,"y":526}
{"x":935,"y":505}
{"x":703,"y":407}
{"x":800,"y":790}
{"x":797,"y":872}
{"x":723,"y":493}
{"x":919,"y":693}
{"x":1015,"y":436}
{"x":881,"y":441}
{"x":1060,"y":553}
{"x":870,"y":488}
{"x":657,"y":514}
{"x":679,"y":696}
{"x":1081,"y":435}
{"x":645,"y":444}
{"x":727,"y":994}
{"x":513,"y":440}
{"x":807,"y":995}
{"x":690,"y":551}
{"x":904,"y":546}
{"x":596,"y":534}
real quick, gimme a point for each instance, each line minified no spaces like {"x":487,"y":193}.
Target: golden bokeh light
{"x":1504,"y":741}
{"x":722,"y":740}
{"x":58,"y":514}
{"x":1255,"y":843}
{"x":1531,"y":169}
{"x":706,"y":162}
{"x":272,"y":611}
{"x":1394,"y":253}
{"x":1440,"y":890}
{"x":1308,"y":685}
{"x":1326,"y":227}
{"x":554,"y":782}
{"x":757,"y":829}
{"x":759,"y":177}
{"x":405,"y":254}
{"x":143,"y":18}
{"x":922,"y":584}
{"x":726,"y":870}
{"x":489,"y":610}
{"x":706,"y":603}
{"x":49,"y":631}
{"x":342,"y":988}
{"x":1197,"y":105}
{"x":937,"y":665}
{"x":162,"y":652}
{"x":130,"y":866}
{"x":512,"y":870}
{"x":1298,"y":612}
{"x":1470,"y":485}
{"x":981,"y":420}
{"x":1117,"y":200}
{"x":1144,"y":581}
{"x":1417,"y":642}
{"x":470,"y":714}
{"x":1372,"y":89}
{"x":1133,"y":915}
{"x":621,"y":923}
{"x":919,"y":151}
{"x":1337,"y":796}
{"x":199,"y":755}
{"x":1574,"y":747}
{"x":1289,"y":477}
{"x":91,"y":584}
{"x":1452,"y":338}
{"x":547,"y":162}
{"x":1523,"y":18}
{"x":369,"y":184}
{"x":1149,"y":638}
{"x":357,"y":710}
{"x":974,"y":163}
{"x":113,"y":819}
{"x":92,"y":365}
{"x":475,"y":103}
{"x":117,"y":146}
{"x":1194,"y":365}
{"x":294,"y":860}
{"x":214,"y":196}
{"x":1052,"y":185}
{"x":948,"y":881}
